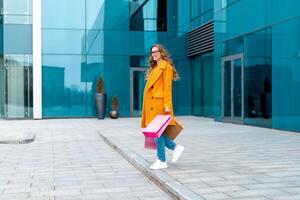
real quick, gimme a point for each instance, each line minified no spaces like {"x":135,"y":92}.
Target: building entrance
{"x":2,"y":70}
{"x":15,"y":86}
{"x":137,"y":83}
{"x":233,"y":88}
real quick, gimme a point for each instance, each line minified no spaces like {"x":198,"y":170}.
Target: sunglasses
{"x":153,"y":52}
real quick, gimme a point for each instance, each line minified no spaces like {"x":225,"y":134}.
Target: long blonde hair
{"x":165,"y":56}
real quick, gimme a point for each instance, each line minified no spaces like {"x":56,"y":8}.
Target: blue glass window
{"x":150,"y":17}
{"x":95,"y":14}
{"x":18,"y":7}
{"x":61,"y":41}
{"x":66,"y":14}
{"x":63,"y":91}
{"x":286,"y":62}
{"x":201,"y":12}
{"x":18,"y":38}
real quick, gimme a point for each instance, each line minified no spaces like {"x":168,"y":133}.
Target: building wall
{"x":83,"y":40}
{"x":93,"y":38}
{"x":86,"y":39}
{"x":285,"y":70}
{"x":270,"y":43}
{"x":64,"y":49}
{"x":202,"y":65}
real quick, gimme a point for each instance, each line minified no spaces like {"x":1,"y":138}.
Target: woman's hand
{"x":167,"y":111}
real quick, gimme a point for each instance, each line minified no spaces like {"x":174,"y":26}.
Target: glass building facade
{"x":257,"y":58}
{"x":234,"y":66}
{"x":16,"y":59}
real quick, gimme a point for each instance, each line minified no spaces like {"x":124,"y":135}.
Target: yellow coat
{"x":158,"y":93}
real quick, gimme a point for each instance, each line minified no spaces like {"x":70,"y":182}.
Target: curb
{"x":22,"y":141}
{"x":166,"y":182}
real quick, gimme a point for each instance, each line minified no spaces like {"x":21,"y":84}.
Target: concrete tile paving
{"x":67,"y":160}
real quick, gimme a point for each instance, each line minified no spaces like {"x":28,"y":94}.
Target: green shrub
{"x":114,"y":103}
{"x":100,"y":85}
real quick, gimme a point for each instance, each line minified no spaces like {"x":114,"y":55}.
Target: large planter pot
{"x":114,"y":114}
{"x":101,"y":104}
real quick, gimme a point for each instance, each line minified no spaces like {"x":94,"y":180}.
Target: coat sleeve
{"x":167,"y":78}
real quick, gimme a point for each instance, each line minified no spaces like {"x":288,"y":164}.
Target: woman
{"x":158,"y":100}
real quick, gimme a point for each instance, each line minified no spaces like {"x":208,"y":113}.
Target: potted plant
{"x":114,"y":113}
{"x":100,"y":98}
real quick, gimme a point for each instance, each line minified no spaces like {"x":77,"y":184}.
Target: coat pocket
{"x":158,"y":95}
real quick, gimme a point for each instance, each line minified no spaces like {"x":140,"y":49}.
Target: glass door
{"x":17,"y":86}
{"x":237,"y":88}
{"x":137,"y":83}
{"x":2,"y":70}
{"x":232,"y":88}
{"x":227,"y":89}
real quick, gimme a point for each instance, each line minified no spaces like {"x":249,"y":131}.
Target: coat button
{"x":151,"y":108}
{"x":152,"y":97}
{"x":152,"y":87}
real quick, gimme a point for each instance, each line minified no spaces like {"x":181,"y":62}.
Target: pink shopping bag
{"x":157,"y":126}
{"x":149,"y":143}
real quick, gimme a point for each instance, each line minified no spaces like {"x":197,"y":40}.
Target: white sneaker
{"x":159,"y":165}
{"x":177,"y":153}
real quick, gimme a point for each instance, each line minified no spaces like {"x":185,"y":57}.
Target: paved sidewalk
{"x":222,"y":161}
{"x":225,"y":161}
{"x":67,"y":161}
{"x":19,"y":135}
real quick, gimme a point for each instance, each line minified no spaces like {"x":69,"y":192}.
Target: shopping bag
{"x":149,"y":143}
{"x":157,"y":126}
{"x":172,"y":131}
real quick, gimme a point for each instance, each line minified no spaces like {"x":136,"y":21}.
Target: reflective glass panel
{"x":57,"y":41}
{"x":237,"y":88}
{"x":208,"y":85}
{"x":2,"y":100}
{"x":183,"y":17}
{"x":258,"y":78}
{"x":203,"y":85}
{"x":17,"y":19}
{"x":116,"y":77}
{"x":151,"y":17}
{"x":138,"y":88}
{"x":63,"y":90}
{"x":94,"y":69}
{"x":285,"y":74}
{"x":227,"y":88}
{"x":95,"y":14}
{"x":18,"y":86}
{"x":197,"y":86}
{"x":65,"y":14}
{"x":17,"y":7}
{"x":18,"y":39}
{"x":95,"y":42}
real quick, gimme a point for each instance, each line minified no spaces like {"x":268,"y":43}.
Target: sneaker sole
{"x":159,"y":168}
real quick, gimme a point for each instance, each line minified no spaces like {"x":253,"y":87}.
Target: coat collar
{"x":156,"y":73}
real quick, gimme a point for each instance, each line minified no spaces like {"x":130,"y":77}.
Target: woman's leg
{"x":160,"y":148}
{"x":177,"y":149}
{"x":170,"y":144}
